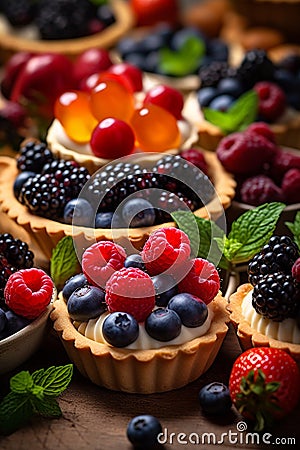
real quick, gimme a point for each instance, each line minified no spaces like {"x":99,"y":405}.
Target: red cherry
{"x":112,"y":138}
{"x":11,"y":71}
{"x":93,"y":60}
{"x":151,"y":12}
{"x":131,"y":73}
{"x":166,"y":97}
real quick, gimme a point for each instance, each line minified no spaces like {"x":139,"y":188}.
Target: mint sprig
{"x":184,"y":61}
{"x":33,"y":394}
{"x":240,"y":114}
{"x":249,"y":233}
{"x":64,"y":262}
{"x":294,"y":227}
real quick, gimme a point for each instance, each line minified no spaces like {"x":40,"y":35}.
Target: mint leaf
{"x":64,"y":262}
{"x":21,"y":383}
{"x":49,"y":408}
{"x":186,"y":221}
{"x":184,"y":61}
{"x":251,"y":231}
{"x":15,"y":410}
{"x":294,"y":227}
{"x":242,"y":112}
{"x":54,"y":380}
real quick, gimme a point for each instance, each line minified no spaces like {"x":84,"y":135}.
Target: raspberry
{"x":132,"y":291}
{"x":166,"y":248}
{"x":195,"y":157}
{"x":296,"y":270}
{"x":260,"y":189}
{"x":244,"y":153}
{"x":202,"y":280}
{"x":282,"y":162}
{"x":272,"y":100}
{"x":28,"y":292}
{"x":291,"y":186}
{"x":101,"y":260}
{"x":263,"y":129}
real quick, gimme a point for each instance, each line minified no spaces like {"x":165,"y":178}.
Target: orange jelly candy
{"x":72,"y":109}
{"x":111,"y":99}
{"x":156,"y":129}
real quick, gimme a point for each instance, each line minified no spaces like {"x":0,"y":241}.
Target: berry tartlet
{"x":148,"y":322}
{"x":69,"y":35}
{"x":41,"y":195}
{"x":265,"y":311}
{"x":232,"y":97}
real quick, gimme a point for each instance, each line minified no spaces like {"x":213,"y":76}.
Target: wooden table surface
{"x":95,"y":418}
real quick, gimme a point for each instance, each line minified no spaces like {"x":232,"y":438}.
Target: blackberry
{"x":33,"y":156}
{"x":276,"y":296}
{"x":211,"y":74}
{"x":278,"y":255}
{"x":64,"y":19}
{"x":19,"y":12}
{"x":255,"y":66}
{"x":168,"y":202}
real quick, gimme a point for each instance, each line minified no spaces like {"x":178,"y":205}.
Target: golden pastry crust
{"x":248,"y":337}
{"x":142,"y":371}
{"x":10,"y":43}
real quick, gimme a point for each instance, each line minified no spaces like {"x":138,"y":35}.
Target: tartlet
{"x":45,"y":233}
{"x":12,"y":43}
{"x":141,"y":371}
{"x":248,"y":336}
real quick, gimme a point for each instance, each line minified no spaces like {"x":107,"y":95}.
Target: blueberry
{"x":3,"y":320}
{"x":128,"y":45}
{"x":165,"y":31}
{"x":163,"y":324}
{"x":222,"y":102}
{"x":120,"y":329}
{"x":143,"y":431}
{"x":73,"y":283}
{"x":86,"y":303}
{"x":104,"y":219}
{"x":14,"y":323}
{"x":206,"y":95}
{"x":151,"y":62}
{"x":151,"y":43}
{"x":290,"y":63}
{"x":105,"y":14}
{"x":78,"y":212}
{"x":286,"y":80}
{"x":165,"y":288}
{"x":138,"y":212}
{"x":192,"y":311}
{"x":181,"y":36}
{"x":215,"y":398}
{"x":231,"y":86}
{"x":136,"y":59}
{"x":20,"y":180}
{"x":217,"y":49}
{"x":134,"y":260}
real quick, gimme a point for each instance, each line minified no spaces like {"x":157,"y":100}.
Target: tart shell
{"x":248,"y":337}
{"x":141,"y":371}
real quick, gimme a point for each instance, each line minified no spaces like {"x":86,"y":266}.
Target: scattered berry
{"x":263,"y":129}
{"x":33,"y":156}
{"x":166,"y":249}
{"x":79,"y":212}
{"x":202,"y":280}
{"x":192,"y":310}
{"x":134,"y":260}
{"x":296,"y":270}
{"x":14,"y":323}
{"x":138,"y":212}
{"x":86,"y":302}
{"x":260,"y":189}
{"x":196,"y":157}
{"x":255,"y":66}
{"x":120,"y":329}
{"x":77,"y":281}
{"x":104,"y":219}
{"x":165,"y":288}
{"x":143,"y":431}
{"x":215,"y":398}
{"x":163,"y":324}
{"x":250,"y":388}
{"x":272,"y":100}
{"x":130,"y":290}
{"x":20,"y":180}
{"x":3,"y":320}
{"x":28,"y":292}
{"x":282,"y":162}
{"x":291,"y":186}
{"x":167,"y":97}
{"x":14,"y":113}
{"x":112,"y":138}
{"x":101,"y":260}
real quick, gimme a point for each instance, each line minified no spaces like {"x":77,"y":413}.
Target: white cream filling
{"x":93,"y":330}
{"x":286,"y":331}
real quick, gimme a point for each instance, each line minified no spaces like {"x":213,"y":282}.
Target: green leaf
{"x":184,"y":61}
{"x":54,"y":380}
{"x":48,"y":407}
{"x":21,"y":383}
{"x":186,"y":221}
{"x":251,"y":231}
{"x":15,"y":411}
{"x":294,"y":227}
{"x":242,"y":112}
{"x":64,"y":262}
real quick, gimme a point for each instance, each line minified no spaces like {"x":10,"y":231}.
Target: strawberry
{"x":264,"y":385}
